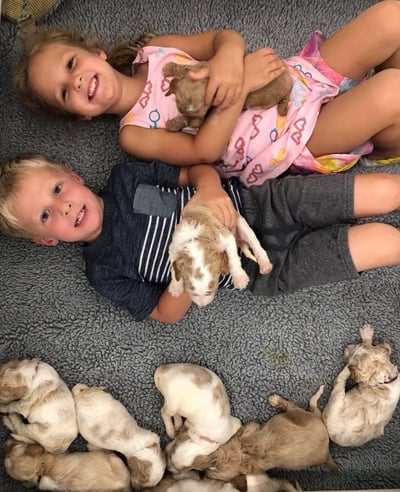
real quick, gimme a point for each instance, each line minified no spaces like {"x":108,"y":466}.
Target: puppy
{"x":202,"y":249}
{"x":360,"y":414}
{"x":105,"y":423}
{"x":97,"y":470}
{"x":32,"y":389}
{"x":191,"y":482}
{"x":294,"y":439}
{"x":196,"y":394}
{"x":190,"y":95}
{"x":263,"y":483}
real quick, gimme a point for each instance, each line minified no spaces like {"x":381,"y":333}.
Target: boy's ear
{"x":46,"y":241}
{"x":75,"y":176}
{"x":85,"y":118}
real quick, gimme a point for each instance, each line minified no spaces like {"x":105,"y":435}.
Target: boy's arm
{"x":171,"y":309}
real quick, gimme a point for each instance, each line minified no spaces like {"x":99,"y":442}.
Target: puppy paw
{"x":264,"y":264}
{"x":240,"y":279}
{"x":12,"y":422}
{"x":175,"y":288}
{"x":344,"y":374}
{"x":276,"y":401}
{"x":366,"y":332}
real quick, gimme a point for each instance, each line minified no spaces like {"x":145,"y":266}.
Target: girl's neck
{"x":132,"y":88}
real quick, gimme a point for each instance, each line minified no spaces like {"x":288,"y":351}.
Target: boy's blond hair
{"x":120,"y":57}
{"x":12,"y":175}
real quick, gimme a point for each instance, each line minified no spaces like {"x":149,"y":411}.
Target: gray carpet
{"x":289,"y":345}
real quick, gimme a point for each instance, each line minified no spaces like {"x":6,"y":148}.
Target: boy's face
{"x":55,"y":205}
{"x":75,"y":80}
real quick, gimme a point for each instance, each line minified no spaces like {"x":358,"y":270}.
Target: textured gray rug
{"x":288,"y":345}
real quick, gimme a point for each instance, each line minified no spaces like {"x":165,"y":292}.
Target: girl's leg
{"x":370,"y":40}
{"x":370,"y":110}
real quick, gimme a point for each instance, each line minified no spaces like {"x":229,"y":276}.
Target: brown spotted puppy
{"x":294,"y":439}
{"x":32,"y":390}
{"x":189,"y":95}
{"x":202,"y":249}
{"x":196,"y":394}
{"x":98,"y":471}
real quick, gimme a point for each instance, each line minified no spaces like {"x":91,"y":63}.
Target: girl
{"x":336,"y":114}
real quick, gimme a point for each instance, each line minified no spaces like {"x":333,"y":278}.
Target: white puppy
{"x":100,"y":471}
{"x":202,"y":249}
{"x":105,"y":423}
{"x":33,"y":389}
{"x":360,"y":414}
{"x":198,"y":395}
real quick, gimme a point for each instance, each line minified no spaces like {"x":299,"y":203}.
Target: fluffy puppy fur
{"x":198,"y":395}
{"x":202,"y":249}
{"x":95,"y":471}
{"x":191,"y":482}
{"x":294,"y":439}
{"x":360,"y":414}
{"x":190,"y":95}
{"x":105,"y":423}
{"x":32,"y":389}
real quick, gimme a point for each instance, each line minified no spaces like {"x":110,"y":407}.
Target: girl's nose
{"x":68,"y":207}
{"x":77,"y":82}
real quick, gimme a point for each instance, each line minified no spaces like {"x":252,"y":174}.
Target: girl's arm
{"x":210,"y":192}
{"x":180,"y":148}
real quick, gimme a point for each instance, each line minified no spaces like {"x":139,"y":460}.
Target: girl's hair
{"x":120,"y":57}
{"x":12,"y":175}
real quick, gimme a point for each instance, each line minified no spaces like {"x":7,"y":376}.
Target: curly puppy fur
{"x":97,"y":470}
{"x":33,"y":390}
{"x":202,"y":249}
{"x":189,"y":95}
{"x":360,"y":414}
{"x":106,"y":424}
{"x":196,"y":394}
{"x":294,"y":439}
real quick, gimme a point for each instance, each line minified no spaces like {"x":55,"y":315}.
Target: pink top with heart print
{"x":263,"y":144}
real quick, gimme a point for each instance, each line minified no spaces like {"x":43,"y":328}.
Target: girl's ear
{"x":102,"y":54}
{"x":45,"y":241}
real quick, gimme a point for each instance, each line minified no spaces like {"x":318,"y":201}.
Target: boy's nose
{"x":67,"y":209}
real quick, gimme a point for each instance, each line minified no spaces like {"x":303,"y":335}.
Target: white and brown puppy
{"x":196,"y":394}
{"x":360,"y":414}
{"x":70,"y":472}
{"x":105,"y":423}
{"x":202,"y":249}
{"x":32,"y":389}
{"x":294,"y":439}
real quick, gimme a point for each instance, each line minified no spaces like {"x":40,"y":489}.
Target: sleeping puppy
{"x":105,"y":423}
{"x":202,"y":249}
{"x":32,"y":389}
{"x":294,"y":439}
{"x":95,"y":471}
{"x":360,"y":414}
{"x":196,"y":394}
{"x":191,"y":482}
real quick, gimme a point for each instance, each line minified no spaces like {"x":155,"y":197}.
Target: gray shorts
{"x":302,"y":222}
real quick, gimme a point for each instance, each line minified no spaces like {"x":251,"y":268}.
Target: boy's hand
{"x":260,"y":68}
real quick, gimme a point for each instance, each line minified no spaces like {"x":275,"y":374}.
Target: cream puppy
{"x":98,"y":471}
{"x":32,"y":389}
{"x":202,"y":249}
{"x":196,"y":394}
{"x":360,"y":414}
{"x":191,"y":482}
{"x":105,"y":423}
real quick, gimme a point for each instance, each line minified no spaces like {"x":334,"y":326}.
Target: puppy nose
{"x":68,"y":209}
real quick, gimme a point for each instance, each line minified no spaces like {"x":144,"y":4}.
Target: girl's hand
{"x":260,"y":68}
{"x":220,"y":203}
{"x":225,"y":81}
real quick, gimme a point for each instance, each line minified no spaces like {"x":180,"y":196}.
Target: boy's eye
{"x":57,"y":189}
{"x":70,"y":63}
{"x":45,"y":215}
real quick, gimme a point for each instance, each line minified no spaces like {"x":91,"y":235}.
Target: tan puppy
{"x":360,"y":414}
{"x":95,"y":471}
{"x":294,"y":439}
{"x":202,"y":249}
{"x":105,"y":423}
{"x":33,"y":389}
{"x":190,"y":95}
{"x":198,"y":395}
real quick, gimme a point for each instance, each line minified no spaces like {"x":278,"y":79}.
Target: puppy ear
{"x":172,"y":87}
{"x":177,"y":270}
{"x":224,"y":263}
{"x":140,"y":471}
{"x":349,"y":351}
{"x":386,"y":348}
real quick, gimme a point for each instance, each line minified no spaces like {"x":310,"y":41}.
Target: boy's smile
{"x":55,"y":205}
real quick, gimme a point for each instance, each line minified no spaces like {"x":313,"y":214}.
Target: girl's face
{"x":75,"y":80}
{"x":55,"y":205}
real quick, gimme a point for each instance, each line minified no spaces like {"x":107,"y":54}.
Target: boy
{"x":305,"y":223}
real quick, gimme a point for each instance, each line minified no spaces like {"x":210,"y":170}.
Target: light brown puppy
{"x":98,"y":471}
{"x":360,"y":414}
{"x":202,"y":249}
{"x":190,"y":95}
{"x":294,"y":439}
{"x":32,"y":389}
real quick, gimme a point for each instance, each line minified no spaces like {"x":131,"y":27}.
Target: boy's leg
{"x":372,"y":39}
{"x":376,"y":194}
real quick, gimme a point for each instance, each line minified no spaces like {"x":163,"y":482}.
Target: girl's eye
{"x":70,"y":63}
{"x":64,"y":94}
{"x":45,"y":215}
{"x":57,"y":189}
